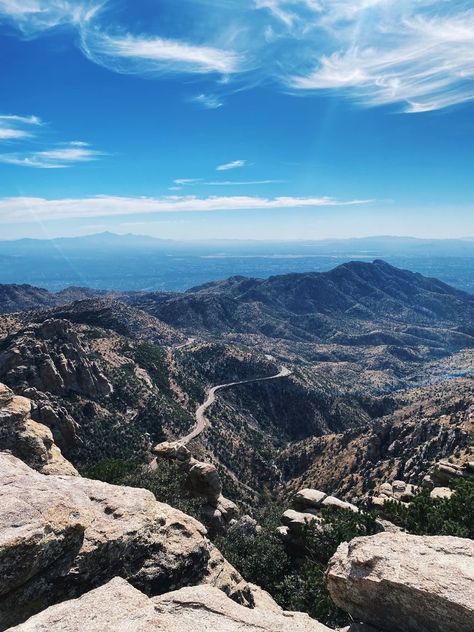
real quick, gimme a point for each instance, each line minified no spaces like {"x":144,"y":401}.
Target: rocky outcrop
{"x":316,"y":500}
{"x":405,"y":582}
{"x":27,"y":439}
{"x":307,"y":507}
{"x":404,"y":493}
{"x":202,"y":481}
{"x":445,"y":474}
{"x":62,"y":536}
{"x":118,"y":606}
{"x":52,"y":358}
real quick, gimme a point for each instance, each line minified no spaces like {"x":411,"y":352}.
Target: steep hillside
{"x":18,"y":298}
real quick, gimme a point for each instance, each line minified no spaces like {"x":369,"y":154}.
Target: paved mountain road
{"x":201,"y":419}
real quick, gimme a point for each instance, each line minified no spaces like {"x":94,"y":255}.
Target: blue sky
{"x":237,"y":118}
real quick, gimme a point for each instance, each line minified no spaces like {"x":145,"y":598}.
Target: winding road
{"x":201,"y":419}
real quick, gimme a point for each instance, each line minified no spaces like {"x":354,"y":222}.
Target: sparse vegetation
{"x":152,"y":359}
{"x":296,"y":582}
{"x":167,"y":482}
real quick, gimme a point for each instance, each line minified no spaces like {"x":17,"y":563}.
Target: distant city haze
{"x":133,"y":262}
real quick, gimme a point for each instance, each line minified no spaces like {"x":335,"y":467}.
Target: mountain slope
{"x":355,"y":299}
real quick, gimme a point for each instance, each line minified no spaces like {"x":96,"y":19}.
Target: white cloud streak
{"x":59,"y":158}
{"x":34,"y":16}
{"x":181,"y":181}
{"x":235,"y":164}
{"x":428,"y":64}
{"x":155,"y":55}
{"x":26,"y":209}
{"x":14,"y":127}
{"x":208,"y":101}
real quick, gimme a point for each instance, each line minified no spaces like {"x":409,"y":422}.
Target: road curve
{"x":211,"y":398}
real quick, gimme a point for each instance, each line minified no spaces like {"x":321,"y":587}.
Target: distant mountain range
{"x":375,"y":302}
{"x":112,"y":240}
{"x":107,"y":261}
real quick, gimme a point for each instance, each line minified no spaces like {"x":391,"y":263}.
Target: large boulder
{"x":396,"y":581}
{"x":27,"y":439}
{"x":172,"y":451}
{"x":313,"y":499}
{"x":204,"y":480}
{"x":61,"y":536}
{"x":118,"y":607}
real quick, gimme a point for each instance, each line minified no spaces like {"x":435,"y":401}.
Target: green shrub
{"x":437,"y":516}
{"x":153,"y":360}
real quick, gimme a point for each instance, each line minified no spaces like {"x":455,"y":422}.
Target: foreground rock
{"x":403,"y":582}
{"x":118,"y":607}
{"x":61,"y":536}
{"x":27,"y":439}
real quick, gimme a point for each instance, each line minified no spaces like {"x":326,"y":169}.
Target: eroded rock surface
{"x":52,"y":358}
{"x":118,"y":607}
{"x":404,"y":582}
{"x":27,"y":439}
{"x":62,"y":536}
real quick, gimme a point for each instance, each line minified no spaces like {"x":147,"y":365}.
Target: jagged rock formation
{"x":52,"y":358}
{"x":394,"y":490}
{"x":203,"y":481}
{"x":404,"y":582}
{"x":313,"y":499}
{"x":27,"y":439}
{"x":118,"y":607}
{"x":123,"y":319}
{"x":62,"y":536}
{"x":439,"y":482}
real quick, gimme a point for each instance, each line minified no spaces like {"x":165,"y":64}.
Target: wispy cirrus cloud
{"x":58,"y":158}
{"x":235,"y":164}
{"x":240,"y":183}
{"x":425,"y":62}
{"x":414,"y":54}
{"x":181,"y":181}
{"x":25,"y":132}
{"x":34,"y":16}
{"x":146,"y":55}
{"x":208,"y":101}
{"x":25,"y":209}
